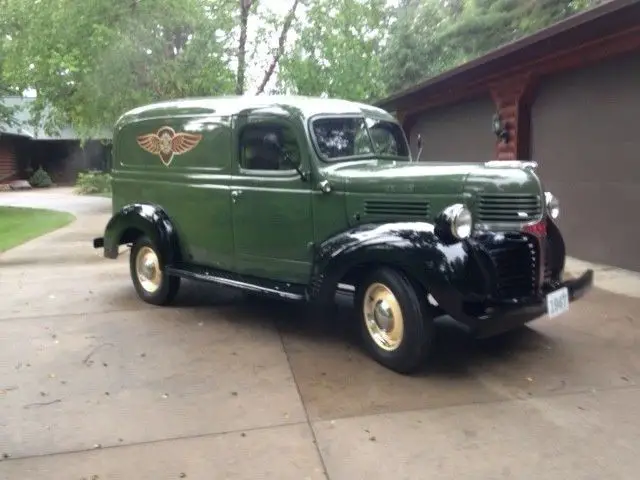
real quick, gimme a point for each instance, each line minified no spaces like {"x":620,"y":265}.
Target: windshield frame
{"x":364,"y":156}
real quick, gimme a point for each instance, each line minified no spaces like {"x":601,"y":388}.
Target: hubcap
{"x":383,"y":317}
{"x":148,"y":269}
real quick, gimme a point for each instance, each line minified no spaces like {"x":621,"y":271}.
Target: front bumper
{"x":505,"y":317}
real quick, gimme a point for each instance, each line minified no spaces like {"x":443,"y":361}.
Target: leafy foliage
{"x":337,"y":52}
{"x":6,"y":113}
{"x":93,"y":60}
{"x":93,"y":182}
{"x":40,"y":179}
{"x":431,"y":36}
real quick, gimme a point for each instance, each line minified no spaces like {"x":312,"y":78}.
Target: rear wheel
{"x":395,"y":322}
{"x":150,"y":280}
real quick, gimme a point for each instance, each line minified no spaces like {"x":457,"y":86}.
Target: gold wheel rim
{"x":383,"y":317}
{"x":148,"y":269}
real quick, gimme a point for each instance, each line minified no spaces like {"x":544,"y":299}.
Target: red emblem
{"x":166,"y":143}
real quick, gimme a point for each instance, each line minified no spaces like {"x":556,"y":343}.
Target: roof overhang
{"x":603,"y":21}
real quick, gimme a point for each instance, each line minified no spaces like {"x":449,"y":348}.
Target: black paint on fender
{"x":441,"y":269}
{"x":139,"y":218}
{"x":556,"y":249}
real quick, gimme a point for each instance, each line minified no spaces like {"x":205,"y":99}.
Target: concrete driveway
{"x":97,"y":385}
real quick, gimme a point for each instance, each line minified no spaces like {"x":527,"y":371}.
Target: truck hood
{"x":432,"y":178}
{"x":388,"y":190}
{"x":504,"y":177}
{"x":384,"y":176}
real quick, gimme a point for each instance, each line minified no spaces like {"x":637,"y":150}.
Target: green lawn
{"x":18,"y":225}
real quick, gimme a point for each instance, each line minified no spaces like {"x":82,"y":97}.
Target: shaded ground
{"x":94,"y":382}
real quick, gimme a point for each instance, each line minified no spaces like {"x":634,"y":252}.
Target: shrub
{"x":40,"y":179}
{"x":93,"y":182}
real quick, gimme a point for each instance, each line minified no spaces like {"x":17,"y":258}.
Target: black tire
{"x":165,"y":287}
{"x":412,"y":349}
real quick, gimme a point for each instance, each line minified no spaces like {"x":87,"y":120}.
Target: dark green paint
{"x":271,"y":227}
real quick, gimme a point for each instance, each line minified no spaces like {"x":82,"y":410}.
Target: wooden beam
{"x":513,"y":98}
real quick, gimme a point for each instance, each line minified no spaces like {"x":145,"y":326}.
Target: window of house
{"x":258,"y":154}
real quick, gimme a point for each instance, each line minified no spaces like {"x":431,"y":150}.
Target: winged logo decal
{"x":166,"y":143}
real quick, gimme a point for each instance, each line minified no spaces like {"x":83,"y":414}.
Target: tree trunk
{"x":245,"y":5}
{"x":291,"y":15}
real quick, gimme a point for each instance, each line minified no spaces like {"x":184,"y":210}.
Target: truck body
{"x":294,"y":197}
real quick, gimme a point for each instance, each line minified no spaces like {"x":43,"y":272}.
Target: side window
{"x":268,"y":146}
{"x":387,"y":138}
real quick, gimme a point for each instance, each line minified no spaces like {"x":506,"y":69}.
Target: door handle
{"x":235,"y":194}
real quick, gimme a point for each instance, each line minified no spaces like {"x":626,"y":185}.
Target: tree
{"x":6,"y":113}
{"x":245,"y":6}
{"x":337,"y":50}
{"x":431,"y":36}
{"x":273,"y":23}
{"x":92,"y":61}
{"x":279,"y":50}
{"x":415,"y":49}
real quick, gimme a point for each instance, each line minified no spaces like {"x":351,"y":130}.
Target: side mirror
{"x":419,"y":142}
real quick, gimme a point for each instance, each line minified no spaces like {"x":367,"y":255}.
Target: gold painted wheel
{"x":148,"y":269}
{"x":383,"y":317}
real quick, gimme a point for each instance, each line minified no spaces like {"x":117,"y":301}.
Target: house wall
{"x":63,"y":159}
{"x":578,"y":117}
{"x":460,"y":133}
{"x":585,"y":137}
{"x":7,"y":158}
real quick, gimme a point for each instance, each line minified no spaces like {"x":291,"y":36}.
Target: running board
{"x":286,"y":291}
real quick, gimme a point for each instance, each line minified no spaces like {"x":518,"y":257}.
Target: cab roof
{"x":304,"y":106}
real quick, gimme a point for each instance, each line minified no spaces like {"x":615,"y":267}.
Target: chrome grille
{"x":508,"y":208}
{"x":397,"y":208}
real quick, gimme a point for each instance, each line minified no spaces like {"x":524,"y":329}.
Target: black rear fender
{"x":137,"y":219}
{"x":438,"y":268}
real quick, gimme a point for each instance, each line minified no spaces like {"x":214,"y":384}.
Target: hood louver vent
{"x":398,"y":208}
{"x":508,"y":208}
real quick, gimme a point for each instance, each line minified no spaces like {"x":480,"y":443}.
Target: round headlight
{"x":461,"y":221}
{"x":553,"y":205}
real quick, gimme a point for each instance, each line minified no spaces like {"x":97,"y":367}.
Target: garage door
{"x":457,"y":133}
{"x":586,"y":138}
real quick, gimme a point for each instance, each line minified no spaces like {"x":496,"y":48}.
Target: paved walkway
{"x":56,"y":199}
{"x":97,"y":385}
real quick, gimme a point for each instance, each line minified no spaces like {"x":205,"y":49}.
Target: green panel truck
{"x":298,"y":197}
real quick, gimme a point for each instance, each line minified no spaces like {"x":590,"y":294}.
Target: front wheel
{"x":396,"y":324}
{"x":151,"y":282}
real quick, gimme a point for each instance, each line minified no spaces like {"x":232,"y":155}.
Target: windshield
{"x":340,"y":138}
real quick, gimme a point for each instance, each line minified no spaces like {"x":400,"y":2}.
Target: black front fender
{"x":141,"y":219}
{"x":441,"y":269}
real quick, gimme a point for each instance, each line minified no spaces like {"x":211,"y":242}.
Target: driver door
{"x":271,"y":204}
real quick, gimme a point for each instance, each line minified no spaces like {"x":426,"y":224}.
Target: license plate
{"x":558,"y":302}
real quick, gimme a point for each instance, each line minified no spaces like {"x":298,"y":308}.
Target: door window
{"x":268,"y":147}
